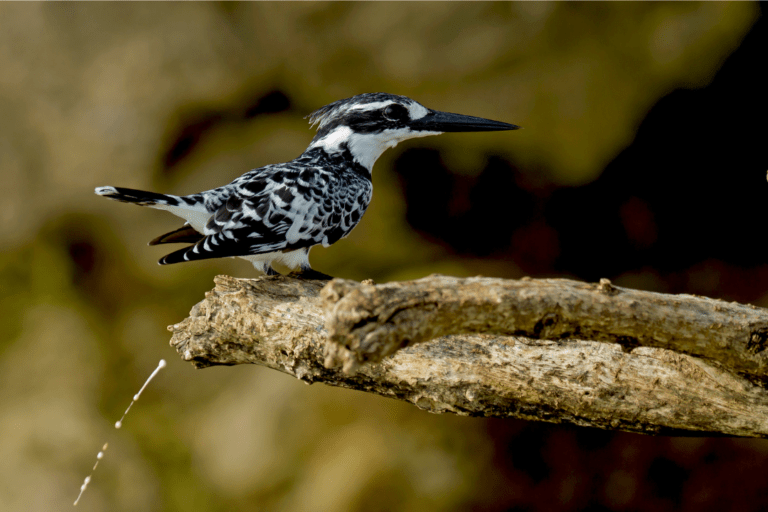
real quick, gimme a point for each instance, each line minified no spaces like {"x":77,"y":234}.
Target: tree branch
{"x":375,"y":321}
{"x":504,"y":348}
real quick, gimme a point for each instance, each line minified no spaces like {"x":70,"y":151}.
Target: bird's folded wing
{"x":274,"y":220}
{"x":283,"y":210}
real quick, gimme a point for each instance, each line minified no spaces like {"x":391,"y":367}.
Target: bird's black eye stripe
{"x":396,"y":112}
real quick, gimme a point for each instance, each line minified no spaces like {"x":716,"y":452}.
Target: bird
{"x":277,"y":213}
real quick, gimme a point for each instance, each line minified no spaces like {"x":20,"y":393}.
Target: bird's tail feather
{"x":141,"y":197}
{"x":186,"y":234}
{"x":212,"y":246}
{"x":175,"y":257}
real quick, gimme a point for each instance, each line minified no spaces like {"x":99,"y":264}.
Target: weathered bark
{"x":503,"y":348}
{"x":375,"y":321}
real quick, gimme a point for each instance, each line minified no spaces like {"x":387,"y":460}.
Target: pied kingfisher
{"x":277,"y":213}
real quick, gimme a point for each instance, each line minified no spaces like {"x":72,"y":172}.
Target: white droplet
{"x":118,"y":424}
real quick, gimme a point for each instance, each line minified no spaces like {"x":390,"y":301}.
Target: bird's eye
{"x":395,"y":112}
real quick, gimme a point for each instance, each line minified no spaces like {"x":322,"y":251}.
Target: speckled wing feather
{"x":281,"y":208}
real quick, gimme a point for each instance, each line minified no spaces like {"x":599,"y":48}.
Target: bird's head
{"x":368,"y":124}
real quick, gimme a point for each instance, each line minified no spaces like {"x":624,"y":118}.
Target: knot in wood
{"x":758,"y":340}
{"x":606,"y":287}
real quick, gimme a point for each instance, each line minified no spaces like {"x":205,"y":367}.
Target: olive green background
{"x":97,"y":94}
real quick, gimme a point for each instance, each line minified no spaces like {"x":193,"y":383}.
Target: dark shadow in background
{"x":688,"y":202}
{"x":691,"y":190}
{"x":194,"y":125}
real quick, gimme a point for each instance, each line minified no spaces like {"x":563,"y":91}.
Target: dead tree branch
{"x":375,"y":321}
{"x":552,"y":350}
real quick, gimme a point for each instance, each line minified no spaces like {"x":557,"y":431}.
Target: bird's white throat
{"x":366,"y":148}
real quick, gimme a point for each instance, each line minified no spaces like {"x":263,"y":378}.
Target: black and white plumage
{"x":278,"y":212}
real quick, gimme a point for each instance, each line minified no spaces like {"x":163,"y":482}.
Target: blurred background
{"x":639,"y":161}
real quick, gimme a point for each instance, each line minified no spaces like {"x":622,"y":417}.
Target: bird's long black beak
{"x":437,"y":121}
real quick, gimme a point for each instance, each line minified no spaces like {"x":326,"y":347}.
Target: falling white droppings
{"x":160,"y":366}
{"x":119,"y":424}
{"x":88,"y":478}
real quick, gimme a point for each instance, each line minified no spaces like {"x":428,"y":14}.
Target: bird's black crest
{"x":324,"y":114}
